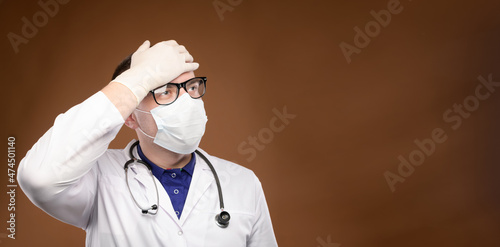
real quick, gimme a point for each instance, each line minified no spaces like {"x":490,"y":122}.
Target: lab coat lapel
{"x":202,"y":178}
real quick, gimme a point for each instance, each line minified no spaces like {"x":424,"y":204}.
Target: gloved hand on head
{"x":152,"y":67}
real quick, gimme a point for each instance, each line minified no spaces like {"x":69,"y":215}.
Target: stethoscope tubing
{"x":221,"y":219}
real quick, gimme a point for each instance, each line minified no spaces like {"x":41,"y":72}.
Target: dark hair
{"x":124,"y":65}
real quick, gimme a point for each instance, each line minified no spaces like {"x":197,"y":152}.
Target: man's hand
{"x":155,"y":66}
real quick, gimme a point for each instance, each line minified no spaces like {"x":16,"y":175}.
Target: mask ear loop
{"x":142,"y":131}
{"x":139,"y":110}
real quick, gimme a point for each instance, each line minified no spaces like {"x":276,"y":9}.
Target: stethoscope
{"x":222,"y":219}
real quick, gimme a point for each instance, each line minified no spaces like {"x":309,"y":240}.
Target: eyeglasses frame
{"x":179,"y":86}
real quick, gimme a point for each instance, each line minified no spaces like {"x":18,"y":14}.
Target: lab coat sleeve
{"x":59,"y":173}
{"x":262,"y":232}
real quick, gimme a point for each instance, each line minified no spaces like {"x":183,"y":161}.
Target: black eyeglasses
{"x":168,"y":93}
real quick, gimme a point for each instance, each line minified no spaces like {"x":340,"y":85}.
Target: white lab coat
{"x":72,"y":175}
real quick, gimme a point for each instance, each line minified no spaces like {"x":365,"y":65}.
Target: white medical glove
{"x":152,"y":67}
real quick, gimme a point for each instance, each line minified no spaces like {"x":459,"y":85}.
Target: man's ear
{"x":131,"y":122}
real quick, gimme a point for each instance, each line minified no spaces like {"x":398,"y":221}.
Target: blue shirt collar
{"x":158,"y":171}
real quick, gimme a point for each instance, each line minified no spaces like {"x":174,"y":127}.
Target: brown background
{"x":323,"y":174}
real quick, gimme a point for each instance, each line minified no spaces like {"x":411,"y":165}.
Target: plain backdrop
{"x":323,"y":173}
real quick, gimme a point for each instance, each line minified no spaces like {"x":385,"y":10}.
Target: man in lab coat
{"x":72,"y":175}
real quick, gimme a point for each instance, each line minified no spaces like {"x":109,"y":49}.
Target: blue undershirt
{"x":175,"y":181}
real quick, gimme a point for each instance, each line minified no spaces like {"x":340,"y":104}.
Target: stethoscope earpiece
{"x":153,"y":207}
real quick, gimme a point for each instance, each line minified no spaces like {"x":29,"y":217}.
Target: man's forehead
{"x":183,"y":77}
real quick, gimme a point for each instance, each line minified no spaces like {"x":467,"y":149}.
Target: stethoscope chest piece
{"x":222,"y":219}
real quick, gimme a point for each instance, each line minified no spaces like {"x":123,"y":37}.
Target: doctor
{"x":168,"y":194}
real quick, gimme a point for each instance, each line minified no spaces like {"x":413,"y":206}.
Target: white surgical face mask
{"x":181,"y":125}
